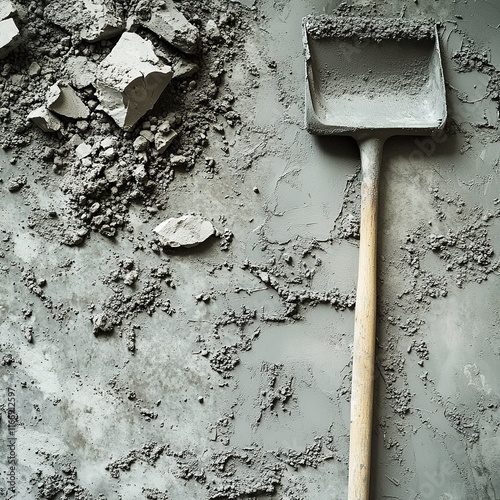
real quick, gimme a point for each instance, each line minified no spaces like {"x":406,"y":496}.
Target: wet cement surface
{"x":241,"y":399}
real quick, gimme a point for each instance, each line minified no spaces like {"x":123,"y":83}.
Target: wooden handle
{"x":364,"y":326}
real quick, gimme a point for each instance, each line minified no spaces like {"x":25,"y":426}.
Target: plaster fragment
{"x":45,"y":120}
{"x":186,"y":231}
{"x":7,"y":9}
{"x":130,"y":80}
{"x":92,"y":20}
{"x":63,"y":100}
{"x":171,"y":25}
{"x":9,"y":37}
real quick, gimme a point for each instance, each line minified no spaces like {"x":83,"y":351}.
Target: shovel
{"x":370,"y":78}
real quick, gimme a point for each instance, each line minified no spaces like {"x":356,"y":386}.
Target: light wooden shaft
{"x":364,"y":326}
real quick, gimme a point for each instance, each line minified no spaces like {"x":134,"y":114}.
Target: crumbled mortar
{"x":276,"y":389}
{"x":147,"y":295}
{"x":103,"y":184}
{"x":368,"y":28}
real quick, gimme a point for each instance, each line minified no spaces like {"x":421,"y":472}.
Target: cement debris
{"x":14,"y":184}
{"x":166,"y":22}
{"x":130,"y":80}
{"x":64,"y":101}
{"x":92,"y":20}
{"x":212,"y":30}
{"x":7,"y":9}
{"x":186,"y":231}
{"x":276,"y":389}
{"x":10,"y":37}
{"x":81,"y":71}
{"x":44,"y":119}
{"x":83,"y":150}
{"x":34,"y":69}
{"x":164,"y":137}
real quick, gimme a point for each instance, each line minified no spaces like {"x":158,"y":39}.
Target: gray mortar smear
{"x":223,"y":372}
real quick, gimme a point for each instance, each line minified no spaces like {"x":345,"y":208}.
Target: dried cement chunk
{"x":102,"y":323}
{"x":63,"y":100}
{"x":9,"y":37}
{"x":106,"y":23}
{"x":7,"y":9}
{"x":83,"y":150}
{"x":130,"y":80}
{"x":15,"y":184}
{"x":81,"y":71}
{"x":140,"y":144}
{"x":93,"y":20}
{"x":171,"y":25}
{"x":163,"y":140}
{"x":185,"y":231}
{"x":212,"y":30}
{"x":184,"y":69}
{"x":180,"y":66}
{"x":44,"y":119}
{"x":34,"y":69}
{"x":164,"y":137}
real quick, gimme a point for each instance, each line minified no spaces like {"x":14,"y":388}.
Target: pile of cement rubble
{"x":120,"y":94}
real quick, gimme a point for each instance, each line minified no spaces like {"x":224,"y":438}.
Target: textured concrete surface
{"x":87,"y":405}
